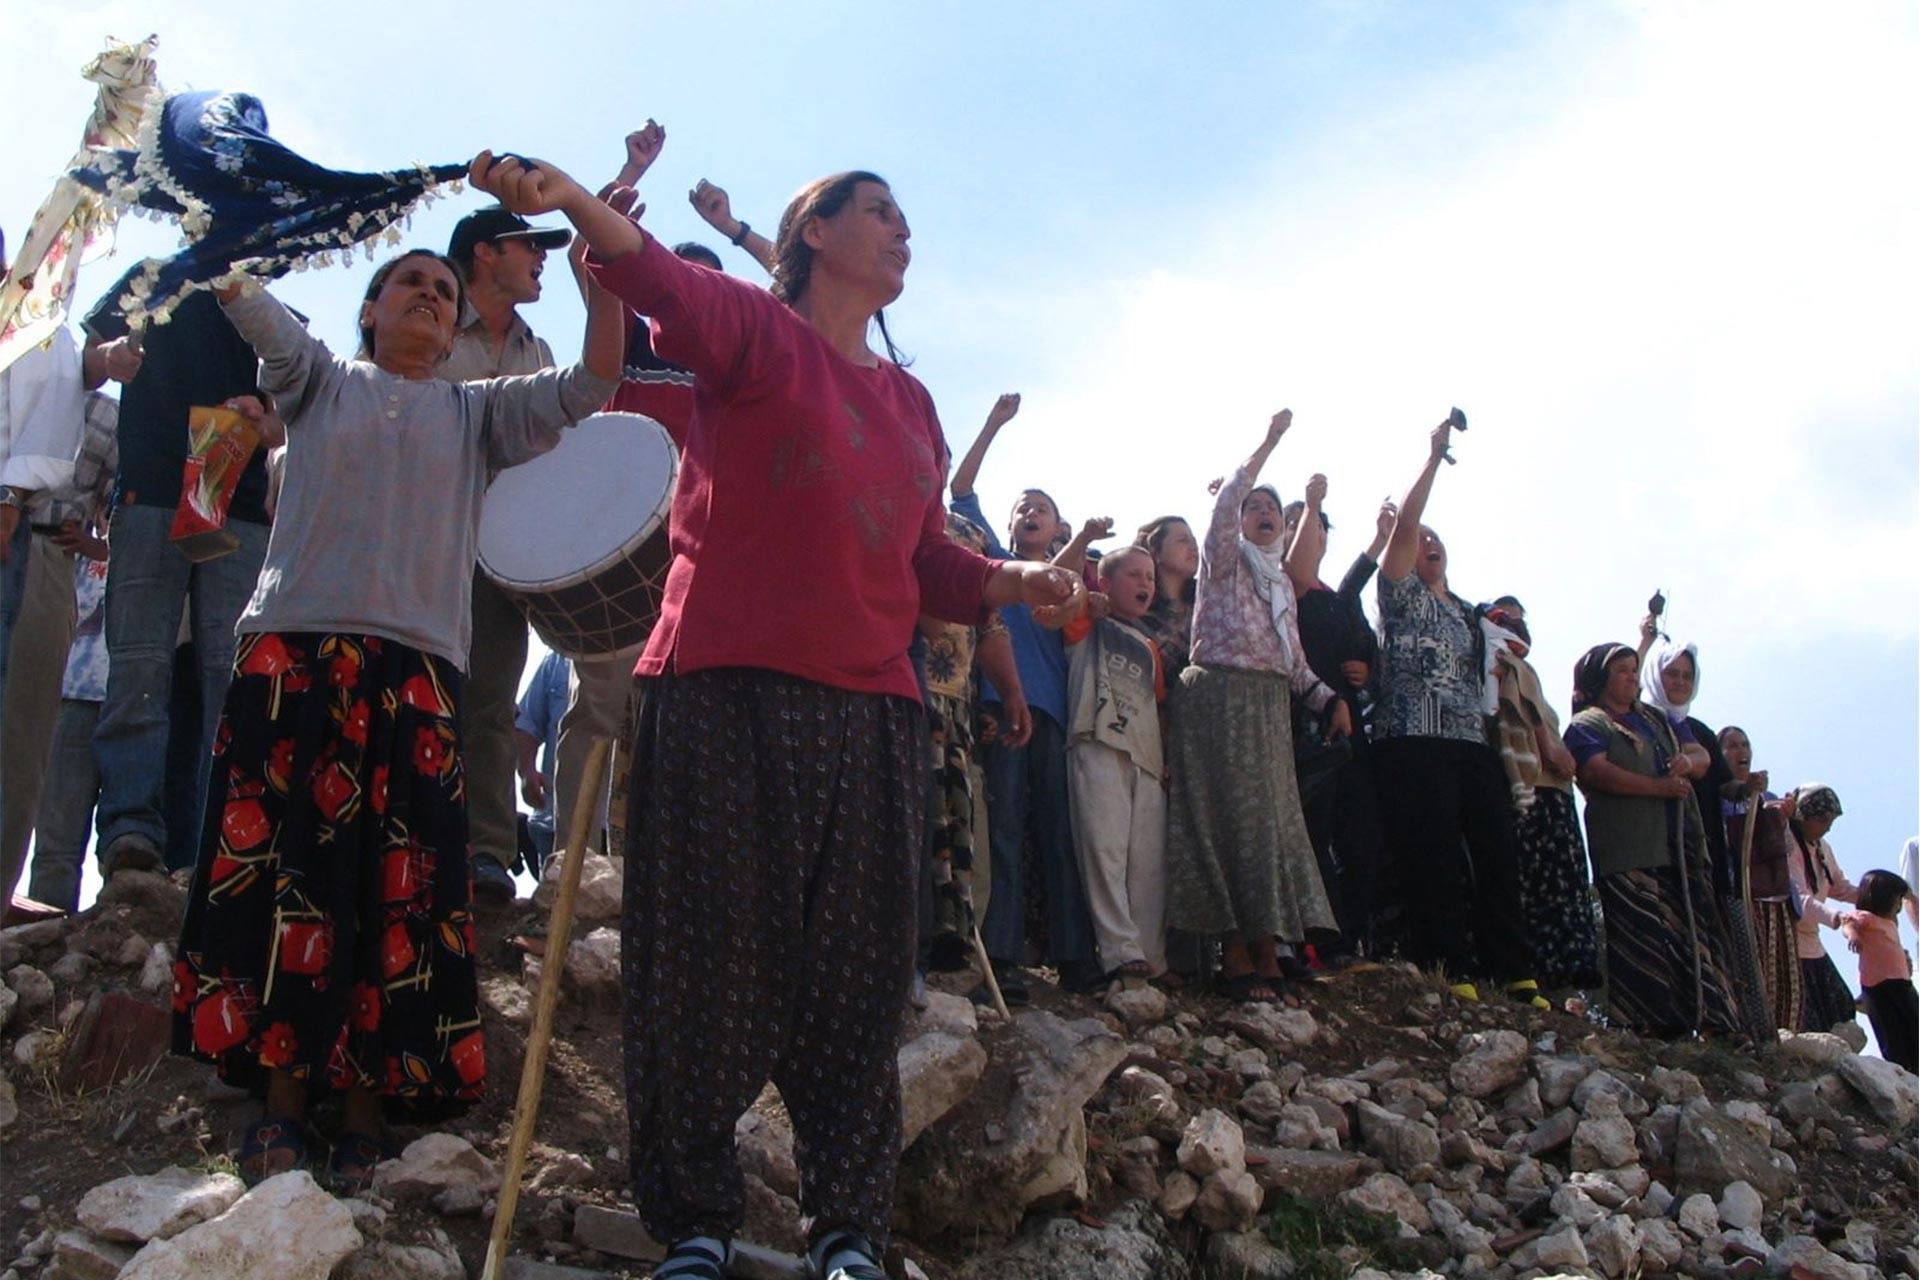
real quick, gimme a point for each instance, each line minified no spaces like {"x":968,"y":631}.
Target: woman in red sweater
{"x":779,"y":767}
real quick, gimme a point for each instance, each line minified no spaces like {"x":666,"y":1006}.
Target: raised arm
{"x":1217,"y":551}
{"x":1074,"y":555}
{"x":1404,"y":546}
{"x":1368,"y":562}
{"x":1000,"y":415}
{"x":531,"y":187}
{"x":712,"y":204}
{"x":1309,"y":544}
{"x":643,"y":148}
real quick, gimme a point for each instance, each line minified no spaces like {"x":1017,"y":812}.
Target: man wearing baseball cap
{"x":502,"y":258}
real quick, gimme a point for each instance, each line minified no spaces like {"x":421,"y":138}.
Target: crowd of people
{"x":913,"y":737}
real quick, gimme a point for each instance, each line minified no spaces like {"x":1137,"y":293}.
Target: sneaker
{"x":129,"y":852}
{"x":492,"y":885}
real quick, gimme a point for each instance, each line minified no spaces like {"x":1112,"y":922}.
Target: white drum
{"x":578,"y":536}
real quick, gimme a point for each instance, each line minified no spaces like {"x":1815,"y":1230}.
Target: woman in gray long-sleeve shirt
{"x":328,"y":942}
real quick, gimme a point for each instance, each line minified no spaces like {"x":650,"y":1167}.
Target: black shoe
{"x":1082,"y":977}
{"x":492,"y":885}
{"x":130,"y":852}
{"x":1013,"y":987}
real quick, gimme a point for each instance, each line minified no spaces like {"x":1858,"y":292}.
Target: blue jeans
{"x":148,"y":585}
{"x":66,"y":807}
{"x":1027,"y":789}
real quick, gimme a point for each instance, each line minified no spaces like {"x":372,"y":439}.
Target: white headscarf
{"x":1267,"y":566}
{"x":1663,"y":656}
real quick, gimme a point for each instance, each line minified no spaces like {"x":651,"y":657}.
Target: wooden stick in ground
{"x":533,"y":1071}
{"x":986,"y":968}
{"x":1746,"y":856}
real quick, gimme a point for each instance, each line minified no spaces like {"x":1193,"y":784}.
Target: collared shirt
{"x":93,"y":468}
{"x":474,"y":357}
{"x":42,"y":407}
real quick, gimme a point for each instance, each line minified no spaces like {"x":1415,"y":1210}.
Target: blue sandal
{"x":844,"y":1254}
{"x":698,"y":1258}
{"x":268,"y":1137}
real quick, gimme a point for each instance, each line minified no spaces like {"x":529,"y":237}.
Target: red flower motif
{"x":365,"y":1012}
{"x":266,"y":656}
{"x":377,"y":793}
{"x":429,"y":753}
{"x":298,"y":681}
{"x":183,"y":985}
{"x":344,"y":671}
{"x":305,"y":946}
{"x":359,"y":719}
{"x":278,"y":1045}
{"x":418,"y":692}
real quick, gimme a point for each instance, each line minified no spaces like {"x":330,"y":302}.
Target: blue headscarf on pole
{"x":250,"y":208}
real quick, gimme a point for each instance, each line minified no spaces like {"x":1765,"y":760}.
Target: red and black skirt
{"x":329,"y":931}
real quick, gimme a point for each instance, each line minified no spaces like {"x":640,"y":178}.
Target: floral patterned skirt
{"x":329,"y":933}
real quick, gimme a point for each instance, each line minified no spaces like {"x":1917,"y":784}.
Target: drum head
{"x":603,"y":490}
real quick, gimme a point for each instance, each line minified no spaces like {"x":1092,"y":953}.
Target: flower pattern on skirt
{"x":329,"y":932}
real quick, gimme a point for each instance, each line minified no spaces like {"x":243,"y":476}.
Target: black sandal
{"x":698,"y":1258}
{"x":844,"y":1254}
{"x":351,"y":1163}
{"x":268,"y":1137}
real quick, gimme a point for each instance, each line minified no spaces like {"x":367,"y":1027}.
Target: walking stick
{"x":533,"y":1070}
{"x":986,"y":967}
{"x":1746,"y":856}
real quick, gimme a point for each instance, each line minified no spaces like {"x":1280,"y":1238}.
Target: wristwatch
{"x":11,"y":497}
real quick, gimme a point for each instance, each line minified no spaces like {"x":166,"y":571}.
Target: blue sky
{"x":1663,"y":254}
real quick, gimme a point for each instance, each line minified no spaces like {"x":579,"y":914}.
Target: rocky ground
{"x":1380,"y":1128}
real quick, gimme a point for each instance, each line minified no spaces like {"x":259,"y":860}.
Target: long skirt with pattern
{"x":329,"y":933}
{"x":1779,"y":961}
{"x":1239,"y":861}
{"x":1827,"y":1000}
{"x":1555,"y":890}
{"x":950,"y":724}
{"x":1658,"y":931}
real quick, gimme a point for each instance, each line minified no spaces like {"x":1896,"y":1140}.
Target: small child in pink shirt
{"x":1886,"y":974}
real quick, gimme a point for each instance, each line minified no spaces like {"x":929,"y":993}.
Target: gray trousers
{"x":599,"y":691}
{"x":42,"y":634}
{"x":495,"y":663}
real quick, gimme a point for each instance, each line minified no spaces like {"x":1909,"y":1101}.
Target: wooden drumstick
{"x":533,"y":1069}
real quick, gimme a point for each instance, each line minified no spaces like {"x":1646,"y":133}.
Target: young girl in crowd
{"x":328,"y":943}
{"x":1176,"y":562}
{"x":1886,"y":974}
{"x":1767,"y":891}
{"x":1116,"y":768}
{"x":1240,"y":866}
{"x":1027,"y":785}
{"x":1817,"y":882}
